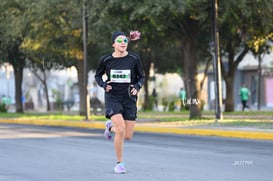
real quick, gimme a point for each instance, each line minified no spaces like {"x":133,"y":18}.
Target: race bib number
{"x":120,"y":76}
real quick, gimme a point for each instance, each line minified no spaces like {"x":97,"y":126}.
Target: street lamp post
{"x":259,"y":83}
{"x":85,"y":73}
{"x":216,"y":62}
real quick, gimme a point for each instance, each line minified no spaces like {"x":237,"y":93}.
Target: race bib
{"x":120,"y":76}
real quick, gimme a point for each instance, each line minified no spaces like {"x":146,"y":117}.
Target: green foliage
{"x":172,"y":106}
{"x":3,"y":107}
{"x":168,"y":105}
{"x":58,"y":100}
{"x":165,"y":104}
{"x":151,"y":104}
{"x":51,"y":30}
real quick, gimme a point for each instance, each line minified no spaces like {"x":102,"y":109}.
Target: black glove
{"x":136,"y":86}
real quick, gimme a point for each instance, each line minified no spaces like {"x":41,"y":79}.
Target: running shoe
{"x":108,"y":135}
{"x":120,"y":168}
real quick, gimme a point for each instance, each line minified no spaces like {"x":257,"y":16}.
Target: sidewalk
{"x":157,"y":127}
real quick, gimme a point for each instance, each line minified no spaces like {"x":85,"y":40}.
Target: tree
{"x":240,"y":22}
{"x":45,"y":31}
{"x":11,"y":39}
{"x":50,"y":43}
{"x":186,"y":21}
{"x":258,"y":47}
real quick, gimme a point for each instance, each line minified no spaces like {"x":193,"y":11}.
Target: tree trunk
{"x":18,"y":74}
{"x":229,"y":101}
{"x":192,"y":83}
{"x":46,"y":92}
{"x":18,"y":62}
{"x":146,"y":63}
{"x":229,"y":75}
{"x":146,"y":95}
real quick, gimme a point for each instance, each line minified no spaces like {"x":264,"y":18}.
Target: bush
{"x":165,"y":104}
{"x":3,"y":107}
{"x":172,"y":106}
{"x":58,"y":104}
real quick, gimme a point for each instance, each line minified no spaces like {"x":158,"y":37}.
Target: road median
{"x":153,"y":128}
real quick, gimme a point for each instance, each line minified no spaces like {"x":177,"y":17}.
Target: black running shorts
{"x":121,"y":104}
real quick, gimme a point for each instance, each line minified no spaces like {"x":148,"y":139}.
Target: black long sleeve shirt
{"x":121,"y":72}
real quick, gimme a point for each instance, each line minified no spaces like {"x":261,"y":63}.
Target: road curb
{"x":249,"y":134}
{"x":209,"y":132}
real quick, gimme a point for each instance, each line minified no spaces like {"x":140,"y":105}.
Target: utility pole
{"x":216,"y":62}
{"x":85,"y":72}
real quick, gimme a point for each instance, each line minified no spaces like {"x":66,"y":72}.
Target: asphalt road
{"x":35,"y":153}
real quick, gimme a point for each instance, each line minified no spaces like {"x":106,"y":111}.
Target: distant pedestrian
{"x":125,"y":77}
{"x":7,"y":101}
{"x":154,"y":94}
{"x":244,"y":95}
{"x":183,"y":98}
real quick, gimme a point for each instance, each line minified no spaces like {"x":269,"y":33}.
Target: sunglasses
{"x":120,"y":40}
